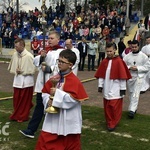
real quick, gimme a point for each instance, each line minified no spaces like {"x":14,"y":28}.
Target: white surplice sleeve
{"x":122,"y":84}
{"x":125,"y":59}
{"x":145,"y":67}
{"x":45,"y":97}
{"x":36,"y":61}
{"x":63,"y":100}
{"x":100,"y":82}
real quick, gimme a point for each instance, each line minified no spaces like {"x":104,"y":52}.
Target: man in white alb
{"x":135,"y":58}
{"x":69,"y":45}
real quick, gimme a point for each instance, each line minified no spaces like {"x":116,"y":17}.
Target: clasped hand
{"x":100,"y":89}
{"x":49,"y":104}
{"x":52,"y":91}
{"x":43,"y":68}
{"x":133,"y":68}
{"x":18,"y":71}
{"x":43,"y":53}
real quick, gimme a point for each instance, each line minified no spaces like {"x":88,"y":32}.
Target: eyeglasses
{"x":61,"y":62}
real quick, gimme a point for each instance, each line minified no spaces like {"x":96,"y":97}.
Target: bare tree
{"x":75,"y":3}
{"x":85,"y":6}
{"x":69,"y":6}
{"x":4,"y":4}
{"x":66,"y":6}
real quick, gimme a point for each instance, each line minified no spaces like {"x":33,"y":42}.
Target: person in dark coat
{"x":146,"y":21}
{"x":121,"y":46}
{"x":82,"y":47}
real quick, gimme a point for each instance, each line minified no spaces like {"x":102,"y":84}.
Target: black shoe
{"x":131,"y":114}
{"x":110,"y":129}
{"x":82,"y":69}
{"x":142,"y":92}
{"x":27,"y":133}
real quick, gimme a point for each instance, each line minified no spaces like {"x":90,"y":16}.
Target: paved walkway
{"x":95,"y":98}
{"x":132,"y":32}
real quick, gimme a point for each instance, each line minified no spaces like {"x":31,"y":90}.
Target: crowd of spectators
{"x":97,"y":21}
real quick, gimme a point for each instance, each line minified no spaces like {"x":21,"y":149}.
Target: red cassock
{"x":72,"y":85}
{"x":22,"y":104}
{"x":48,"y":141}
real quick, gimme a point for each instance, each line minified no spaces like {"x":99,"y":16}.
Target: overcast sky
{"x":33,"y":4}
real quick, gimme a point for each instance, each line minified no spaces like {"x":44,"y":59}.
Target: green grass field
{"x":129,"y":135}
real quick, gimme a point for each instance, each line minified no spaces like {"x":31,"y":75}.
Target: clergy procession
{"x":59,"y":92}
{"x":56,"y":75}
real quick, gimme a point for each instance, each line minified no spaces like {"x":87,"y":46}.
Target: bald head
{"x":68,"y":43}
